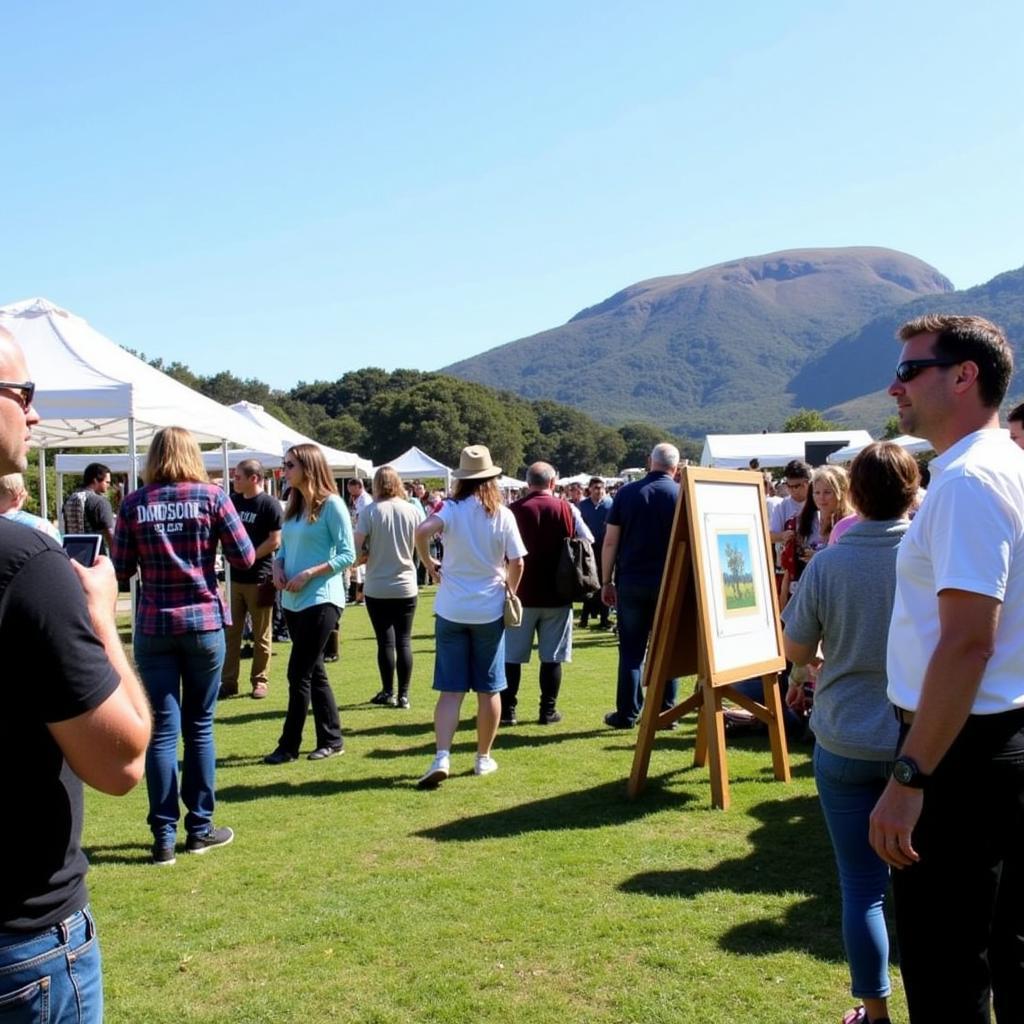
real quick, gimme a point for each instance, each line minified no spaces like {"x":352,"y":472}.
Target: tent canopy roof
{"x":734,"y":451}
{"x":914,"y":445}
{"x":89,"y":388}
{"x":342,"y":463}
{"x":415,"y":462}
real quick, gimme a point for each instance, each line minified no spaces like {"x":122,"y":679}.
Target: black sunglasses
{"x":27,"y":389}
{"x":288,"y":464}
{"x":910,"y":368}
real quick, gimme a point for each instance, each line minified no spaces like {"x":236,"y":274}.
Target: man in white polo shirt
{"x":951,"y":820}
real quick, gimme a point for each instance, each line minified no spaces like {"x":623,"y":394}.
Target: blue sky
{"x":294,"y":191}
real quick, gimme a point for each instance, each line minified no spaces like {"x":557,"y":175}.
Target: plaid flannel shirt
{"x":170,"y":532}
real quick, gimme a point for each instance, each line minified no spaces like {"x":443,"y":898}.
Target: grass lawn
{"x":537,"y":894}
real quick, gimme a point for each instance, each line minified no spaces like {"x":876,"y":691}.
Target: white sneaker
{"x":485,"y":764}
{"x":436,"y":773}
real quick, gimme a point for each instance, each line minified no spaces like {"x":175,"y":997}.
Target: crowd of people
{"x":904,"y":633}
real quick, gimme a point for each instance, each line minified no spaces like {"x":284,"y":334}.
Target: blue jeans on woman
{"x":848,"y":789}
{"x":181,"y":675}
{"x":53,"y":974}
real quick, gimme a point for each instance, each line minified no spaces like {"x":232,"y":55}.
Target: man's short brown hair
{"x":969,"y":338}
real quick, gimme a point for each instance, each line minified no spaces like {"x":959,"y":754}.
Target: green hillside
{"x":710,"y":350}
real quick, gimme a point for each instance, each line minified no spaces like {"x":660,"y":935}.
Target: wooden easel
{"x":680,"y":646}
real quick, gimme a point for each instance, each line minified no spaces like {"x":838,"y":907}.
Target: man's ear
{"x":966,"y":375}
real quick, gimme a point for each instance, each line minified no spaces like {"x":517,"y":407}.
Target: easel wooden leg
{"x":714,"y":724}
{"x":700,"y":746}
{"x":776,"y":727}
{"x":645,"y":741}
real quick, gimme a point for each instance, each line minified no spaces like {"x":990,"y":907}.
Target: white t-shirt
{"x":476,"y":545}
{"x":967,"y":535}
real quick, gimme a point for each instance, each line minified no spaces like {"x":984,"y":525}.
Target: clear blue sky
{"x":291,"y":191}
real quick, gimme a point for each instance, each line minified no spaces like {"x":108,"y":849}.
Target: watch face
{"x":902,"y":772}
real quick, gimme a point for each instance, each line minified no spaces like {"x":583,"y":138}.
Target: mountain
{"x":711,"y":350}
{"x":850,"y":377}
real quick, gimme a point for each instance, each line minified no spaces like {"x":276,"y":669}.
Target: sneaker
{"x":227,"y":691}
{"x":279,"y":757}
{"x":209,"y":839}
{"x":163,"y":856}
{"x":403,"y":702}
{"x":612,"y":719}
{"x":322,"y":753}
{"x":436,"y":773}
{"x":485,"y":764}
{"x":549,"y":717}
{"x":259,"y":691}
{"x":508,"y":718}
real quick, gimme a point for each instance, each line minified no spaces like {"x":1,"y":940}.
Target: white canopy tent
{"x":342,"y":463}
{"x":416,"y":463}
{"x":734,"y":451}
{"x":510,"y":483}
{"x":91,"y":393}
{"x":914,"y":445}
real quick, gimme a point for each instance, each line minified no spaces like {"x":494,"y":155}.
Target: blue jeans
{"x":52,"y":975}
{"x":182,"y":676}
{"x":848,"y":789}
{"x":635,"y":607}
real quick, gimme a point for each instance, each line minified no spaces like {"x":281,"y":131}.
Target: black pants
{"x":391,"y":618}
{"x":960,"y":909}
{"x":307,"y":679}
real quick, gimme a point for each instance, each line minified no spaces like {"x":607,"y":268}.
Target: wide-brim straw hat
{"x":475,"y":464}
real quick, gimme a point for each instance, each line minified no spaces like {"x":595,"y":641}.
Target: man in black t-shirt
{"x":87,"y":509}
{"x":73,"y":711}
{"x":261,"y":517}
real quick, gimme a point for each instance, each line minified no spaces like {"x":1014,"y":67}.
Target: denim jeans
{"x":182,"y":676}
{"x":52,"y":975}
{"x":848,"y":789}
{"x":635,"y":609}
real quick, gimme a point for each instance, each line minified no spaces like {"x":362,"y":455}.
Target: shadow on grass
{"x":245,"y":717}
{"x":466,"y":740}
{"x":314,"y":787}
{"x":791,"y":854}
{"x":598,"y":807}
{"x":121,"y":853}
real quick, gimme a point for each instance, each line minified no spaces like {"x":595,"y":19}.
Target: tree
{"x":892,"y":428}
{"x":808,"y":421}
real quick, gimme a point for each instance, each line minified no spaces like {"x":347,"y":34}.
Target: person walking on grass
{"x":169,"y":529}
{"x":483,"y":554}
{"x":316,"y":548}
{"x":387,"y":532}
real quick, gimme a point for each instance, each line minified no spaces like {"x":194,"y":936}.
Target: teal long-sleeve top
{"x":305,"y":544}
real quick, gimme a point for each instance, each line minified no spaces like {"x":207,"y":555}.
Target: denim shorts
{"x":469,"y":656}
{"x":52,"y":974}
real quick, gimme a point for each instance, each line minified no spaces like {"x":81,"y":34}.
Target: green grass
{"x":740,"y":596}
{"x":537,"y":894}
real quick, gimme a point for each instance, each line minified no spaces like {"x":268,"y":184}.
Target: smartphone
{"x":83,"y":547}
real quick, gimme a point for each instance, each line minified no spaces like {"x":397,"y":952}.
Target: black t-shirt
{"x":260,"y":516}
{"x":55,"y":669}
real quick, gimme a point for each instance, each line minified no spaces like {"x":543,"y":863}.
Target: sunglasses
{"x":910,"y":368}
{"x":288,"y":464}
{"x":27,"y":391}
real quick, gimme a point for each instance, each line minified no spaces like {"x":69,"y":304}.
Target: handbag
{"x":512,"y":613}
{"x":576,"y":577}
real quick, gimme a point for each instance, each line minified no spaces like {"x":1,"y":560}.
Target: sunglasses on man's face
{"x":910,"y":368}
{"x":26,"y":391}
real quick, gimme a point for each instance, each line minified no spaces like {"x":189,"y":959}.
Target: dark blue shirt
{"x":643,"y":511}
{"x":594,"y":516}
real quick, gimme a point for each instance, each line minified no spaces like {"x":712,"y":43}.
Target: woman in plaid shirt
{"x":169,"y":529}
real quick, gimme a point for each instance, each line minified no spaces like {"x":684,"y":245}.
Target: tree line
{"x":380,"y":414}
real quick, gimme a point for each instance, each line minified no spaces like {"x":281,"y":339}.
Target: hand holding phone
{"x":83,"y":547}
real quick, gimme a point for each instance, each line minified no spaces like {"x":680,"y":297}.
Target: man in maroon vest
{"x":544,"y":523}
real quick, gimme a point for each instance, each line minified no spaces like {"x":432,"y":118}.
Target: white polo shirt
{"x":967,"y":535}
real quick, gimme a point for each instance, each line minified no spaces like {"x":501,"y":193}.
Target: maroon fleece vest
{"x":542,"y":524}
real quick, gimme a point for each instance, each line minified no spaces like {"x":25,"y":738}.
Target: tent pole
{"x":133,"y":476}
{"x":58,"y":501}
{"x":42,"y":482}
{"x":227,"y":491}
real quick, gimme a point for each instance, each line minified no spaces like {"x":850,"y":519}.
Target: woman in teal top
{"x":316,"y":548}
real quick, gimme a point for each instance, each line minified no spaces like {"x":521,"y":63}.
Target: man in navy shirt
{"x":594,"y":509}
{"x":636,"y":539}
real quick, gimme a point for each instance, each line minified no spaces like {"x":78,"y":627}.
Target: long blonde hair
{"x":173,"y":458}
{"x":838,"y":482}
{"x":486,"y":490}
{"x":316,"y":477}
{"x":387,"y":484}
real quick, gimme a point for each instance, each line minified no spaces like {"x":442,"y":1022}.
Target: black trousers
{"x":391,"y":618}
{"x":307,"y":679}
{"x":960,"y":909}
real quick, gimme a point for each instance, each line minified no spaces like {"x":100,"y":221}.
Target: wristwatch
{"x":906,"y":772}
